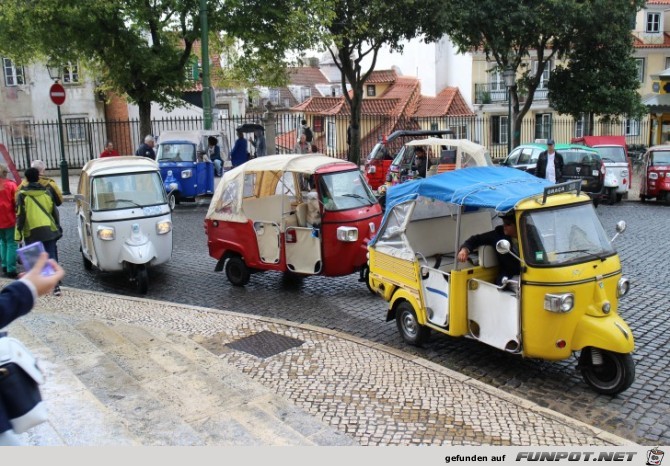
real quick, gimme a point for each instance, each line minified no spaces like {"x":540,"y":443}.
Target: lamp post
{"x":509,"y":77}
{"x":57,"y":94}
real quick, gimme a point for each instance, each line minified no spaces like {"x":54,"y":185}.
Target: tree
{"x":512,"y":32}
{"x":600,"y":76}
{"x":358,"y":29}
{"x":143,"y":48}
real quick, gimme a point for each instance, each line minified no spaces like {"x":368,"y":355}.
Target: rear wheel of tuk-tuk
{"x":141,"y":279}
{"x":408,"y":325}
{"x":237,"y":271}
{"x":605,"y":371}
{"x":173,"y":200}
{"x":88,"y":265}
{"x":365,"y":277}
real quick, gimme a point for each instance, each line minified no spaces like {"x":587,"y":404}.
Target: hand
{"x":44,"y":285}
{"x":463,"y":254}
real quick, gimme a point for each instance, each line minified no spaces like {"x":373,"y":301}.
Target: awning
{"x":657,"y":103}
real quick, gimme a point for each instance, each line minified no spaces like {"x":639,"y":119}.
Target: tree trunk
{"x":354,"y":125}
{"x":145,"y":119}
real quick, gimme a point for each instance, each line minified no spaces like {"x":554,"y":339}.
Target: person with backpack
{"x":307,"y":131}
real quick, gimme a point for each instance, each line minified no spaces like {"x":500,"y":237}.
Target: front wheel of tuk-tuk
{"x":237,"y":271}
{"x":607,"y":372}
{"x":173,"y":200}
{"x":142,"y":279}
{"x":408,"y":325}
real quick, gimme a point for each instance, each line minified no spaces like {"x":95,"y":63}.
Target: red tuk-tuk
{"x":306,"y":214}
{"x":656,"y":174}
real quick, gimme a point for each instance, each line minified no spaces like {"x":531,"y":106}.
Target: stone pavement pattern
{"x":128,"y":371}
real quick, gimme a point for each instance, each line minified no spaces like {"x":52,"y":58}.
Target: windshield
{"x":579,"y":156}
{"x":176,"y":152}
{"x":564,"y":236}
{"x":127,"y":190}
{"x":345,"y":190}
{"x":612,"y":154}
{"x":661,"y":157}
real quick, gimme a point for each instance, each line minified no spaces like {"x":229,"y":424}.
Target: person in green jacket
{"x":37,"y":216}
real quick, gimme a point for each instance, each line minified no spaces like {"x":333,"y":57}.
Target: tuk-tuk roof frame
{"x":118,"y":165}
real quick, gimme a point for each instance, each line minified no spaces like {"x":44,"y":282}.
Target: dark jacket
{"x":239,"y":153}
{"x":508,"y":265}
{"x":541,"y":167}
{"x":215,"y":153}
{"x":421,"y":166}
{"x":146,"y":151}
{"x":16,"y":300}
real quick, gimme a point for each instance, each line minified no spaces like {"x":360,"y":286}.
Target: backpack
{"x":307,"y":131}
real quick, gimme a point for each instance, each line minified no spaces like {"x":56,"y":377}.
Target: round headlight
{"x":567,"y":302}
{"x":622,"y":287}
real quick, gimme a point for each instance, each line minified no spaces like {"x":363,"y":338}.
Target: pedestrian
{"x":37,"y":217}
{"x":509,"y":265}
{"x":550,"y":164}
{"x":7,"y":223}
{"x":16,"y":300}
{"x":421,"y":164}
{"x":48,"y":183}
{"x":307,"y":131}
{"x":259,"y":142}
{"x":303,"y":147}
{"x":214,"y":153}
{"x":240,"y":151}
{"x":109,"y":150}
{"x":146,"y":149}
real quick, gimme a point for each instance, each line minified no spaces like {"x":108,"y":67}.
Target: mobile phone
{"x":30,"y":254}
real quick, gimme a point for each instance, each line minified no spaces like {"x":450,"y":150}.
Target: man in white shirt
{"x":550,"y":164}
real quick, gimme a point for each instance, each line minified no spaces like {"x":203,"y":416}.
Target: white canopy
{"x":478,"y":156}
{"x":259,"y":178}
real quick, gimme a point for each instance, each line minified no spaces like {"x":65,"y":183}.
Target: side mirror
{"x":620,"y":228}
{"x":503,"y":246}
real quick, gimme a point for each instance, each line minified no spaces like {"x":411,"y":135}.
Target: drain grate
{"x":265,"y":344}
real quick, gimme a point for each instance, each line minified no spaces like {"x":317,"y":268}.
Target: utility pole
{"x":206,"y":87}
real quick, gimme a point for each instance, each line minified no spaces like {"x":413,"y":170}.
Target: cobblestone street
{"x":641,"y":414}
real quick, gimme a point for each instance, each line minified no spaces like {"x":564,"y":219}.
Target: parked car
{"x":656,"y":174}
{"x":382,"y":154}
{"x":619,"y":170}
{"x":580,"y":162}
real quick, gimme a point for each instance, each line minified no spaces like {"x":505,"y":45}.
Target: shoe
{"x":57,"y":291}
{"x":4,"y":269}
{"x":13,"y":274}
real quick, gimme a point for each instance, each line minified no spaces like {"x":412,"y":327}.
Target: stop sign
{"x":57,"y":94}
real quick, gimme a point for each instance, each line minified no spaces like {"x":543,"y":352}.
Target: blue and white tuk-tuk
{"x":185,"y":163}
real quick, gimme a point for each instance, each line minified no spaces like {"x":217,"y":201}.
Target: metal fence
{"x":84,"y":138}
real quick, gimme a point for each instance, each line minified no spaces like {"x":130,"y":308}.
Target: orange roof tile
{"x":658,"y":2}
{"x":287,"y":140}
{"x":639,"y":44}
{"x":319,"y":104}
{"x":449,"y":102}
{"x":382,"y":76}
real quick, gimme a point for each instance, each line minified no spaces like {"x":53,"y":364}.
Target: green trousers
{"x":8,"y":249}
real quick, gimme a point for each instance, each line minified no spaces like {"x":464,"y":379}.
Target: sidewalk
{"x":132,"y":371}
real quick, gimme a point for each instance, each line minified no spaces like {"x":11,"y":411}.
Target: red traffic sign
{"x":57,"y":94}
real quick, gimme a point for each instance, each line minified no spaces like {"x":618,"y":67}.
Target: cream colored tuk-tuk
{"x":123,"y":217}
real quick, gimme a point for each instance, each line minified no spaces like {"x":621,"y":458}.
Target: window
{"x":21,"y":131}
{"x":274,"y":96}
{"x":631,"y":127}
{"x":544,"y":79}
{"x":317,"y":124}
{"x":224,"y":111}
{"x":639,"y":64}
{"x":653,"y":23}
{"x":76,"y":129}
{"x":499,"y":129}
{"x":667,"y":63}
{"x":330,"y":135}
{"x":580,"y":125}
{"x":70,"y":74}
{"x":543,"y":126}
{"x":13,"y":74}
{"x":371,"y":90}
{"x":496,"y":80}
{"x":305,"y":93}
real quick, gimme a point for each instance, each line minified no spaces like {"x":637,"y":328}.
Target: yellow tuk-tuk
{"x":565,"y":299}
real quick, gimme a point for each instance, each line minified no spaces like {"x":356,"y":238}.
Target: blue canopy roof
{"x":478,"y":187}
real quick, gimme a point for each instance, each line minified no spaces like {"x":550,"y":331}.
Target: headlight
{"x":347,"y":234}
{"x":622,"y":287}
{"x":106,"y":233}
{"x":163,"y":227}
{"x":653,"y":176}
{"x":559,"y":302}
{"x":186,"y":174}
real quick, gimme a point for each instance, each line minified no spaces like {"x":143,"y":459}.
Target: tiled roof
{"x":382,"y":76}
{"x":319,"y":105}
{"x":286,"y":140}
{"x":639,"y":44}
{"x":658,"y":2}
{"x":307,"y":76}
{"x":374,"y":107}
{"x":449,"y":102}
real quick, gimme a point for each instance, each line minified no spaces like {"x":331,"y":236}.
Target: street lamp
{"x":509,"y":76}
{"x":55,"y":92}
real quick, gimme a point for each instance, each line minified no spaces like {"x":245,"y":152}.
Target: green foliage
{"x":600,"y":76}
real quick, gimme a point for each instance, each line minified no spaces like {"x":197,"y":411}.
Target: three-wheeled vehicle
{"x":618,"y":168}
{"x":185,"y":166}
{"x":656,"y":174}
{"x":565,"y":299}
{"x":123,"y":217}
{"x":305,"y":214}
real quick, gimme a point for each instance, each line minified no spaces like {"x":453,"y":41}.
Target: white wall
{"x":457,"y":70}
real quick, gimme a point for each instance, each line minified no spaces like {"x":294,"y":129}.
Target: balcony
{"x":495,"y":93}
